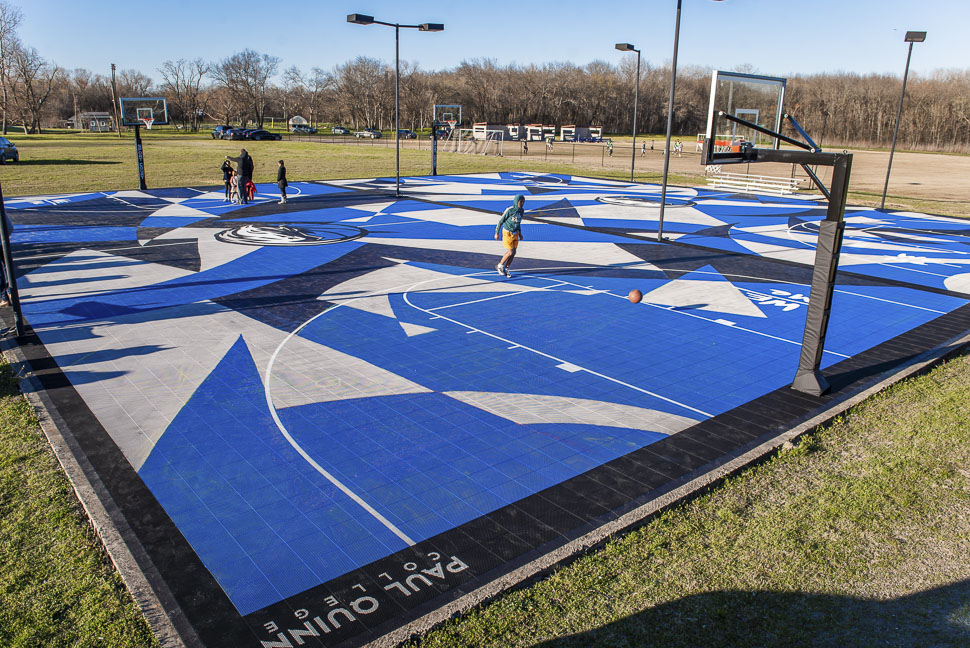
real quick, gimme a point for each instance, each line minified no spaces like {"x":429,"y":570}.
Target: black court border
{"x":488,"y":549}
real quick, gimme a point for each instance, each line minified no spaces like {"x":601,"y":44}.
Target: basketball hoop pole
{"x":18,"y":316}
{"x":670,"y":123}
{"x":141,"y":159}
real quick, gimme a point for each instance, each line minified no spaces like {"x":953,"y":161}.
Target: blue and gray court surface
{"x":325,"y":419}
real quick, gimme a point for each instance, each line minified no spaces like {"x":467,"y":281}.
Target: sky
{"x":773,"y":37}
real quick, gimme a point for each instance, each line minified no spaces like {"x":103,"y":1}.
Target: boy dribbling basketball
{"x":510,"y":226}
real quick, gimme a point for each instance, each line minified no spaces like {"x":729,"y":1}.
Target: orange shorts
{"x":510,"y":239}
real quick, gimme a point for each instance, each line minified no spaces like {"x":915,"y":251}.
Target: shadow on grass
{"x":63,"y":162}
{"x":935,"y":617}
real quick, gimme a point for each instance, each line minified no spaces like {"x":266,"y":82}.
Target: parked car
{"x":219,"y":132}
{"x":236,"y":133}
{"x":8,"y":151}
{"x":340,"y":130}
{"x":372,"y":133}
{"x":405,"y":133}
{"x":301,"y":129}
{"x":261,"y":134}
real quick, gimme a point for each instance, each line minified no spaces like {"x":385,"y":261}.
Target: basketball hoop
{"x":148,"y":121}
{"x":451,"y":123}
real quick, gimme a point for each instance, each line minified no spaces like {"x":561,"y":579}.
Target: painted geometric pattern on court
{"x":905,"y":246}
{"x":422,"y":391}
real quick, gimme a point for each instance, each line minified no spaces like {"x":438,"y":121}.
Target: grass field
{"x":60,"y":163}
{"x":857,"y":536}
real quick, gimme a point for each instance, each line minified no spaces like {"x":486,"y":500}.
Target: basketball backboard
{"x":753,"y":98}
{"x":143,"y":111}
{"x":447,"y":115}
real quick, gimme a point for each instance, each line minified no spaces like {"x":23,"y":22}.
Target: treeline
{"x":248,"y":87}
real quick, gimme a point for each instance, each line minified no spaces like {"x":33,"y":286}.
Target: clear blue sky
{"x":776,"y":37}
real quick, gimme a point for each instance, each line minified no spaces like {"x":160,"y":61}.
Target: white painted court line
{"x":674,"y":309}
{"x":267,"y":389}
{"x":559,"y":361}
{"x":792,"y":283}
{"x":509,"y":294}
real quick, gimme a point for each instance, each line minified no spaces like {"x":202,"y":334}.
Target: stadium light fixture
{"x":362,"y":19}
{"x":670,"y":122}
{"x":911,"y":37}
{"x":627,"y":47}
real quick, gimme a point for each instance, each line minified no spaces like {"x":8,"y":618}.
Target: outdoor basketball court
{"x":325,"y":420}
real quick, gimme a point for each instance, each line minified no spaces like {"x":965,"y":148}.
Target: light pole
{"x":627,"y":47}
{"x":670,"y":122}
{"x":361,"y":19}
{"x":911,"y":37}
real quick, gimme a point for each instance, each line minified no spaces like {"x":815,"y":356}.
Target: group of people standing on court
{"x":240,"y":188}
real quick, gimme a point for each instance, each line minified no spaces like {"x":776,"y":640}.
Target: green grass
{"x":57,"y":587}
{"x":65,"y":163}
{"x":102,"y":162}
{"x":857,"y":536}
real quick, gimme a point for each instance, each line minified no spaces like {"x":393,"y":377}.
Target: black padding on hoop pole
{"x":141,"y":159}
{"x":808,"y":378}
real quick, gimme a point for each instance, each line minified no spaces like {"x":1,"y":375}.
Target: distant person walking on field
{"x":643,"y":149}
{"x":227,"y":176}
{"x":244,"y":167}
{"x":609,"y":147}
{"x":510,"y":225}
{"x":525,"y":147}
{"x":281,"y":182}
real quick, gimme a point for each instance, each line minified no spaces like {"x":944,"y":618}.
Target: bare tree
{"x":33,"y":81}
{"x":246,"y":76}
{"x":183,"y":84}
{"x":132,"y":83}
{"x":306,"y":90}
{"x":10,"y":18}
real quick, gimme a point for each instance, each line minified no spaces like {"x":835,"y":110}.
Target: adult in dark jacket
{"x":227,"y":176}
{"x":281,"y":182}
{"x":244,"y":166}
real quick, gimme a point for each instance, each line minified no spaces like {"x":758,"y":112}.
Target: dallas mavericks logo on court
{"x":286,"y":235}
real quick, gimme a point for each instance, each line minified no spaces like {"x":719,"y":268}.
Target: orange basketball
{"x":635,"y":296}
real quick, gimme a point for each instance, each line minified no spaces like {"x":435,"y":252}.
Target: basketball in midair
{"x":635,"y":296}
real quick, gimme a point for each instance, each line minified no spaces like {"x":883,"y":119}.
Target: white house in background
{"x":96,"y":122}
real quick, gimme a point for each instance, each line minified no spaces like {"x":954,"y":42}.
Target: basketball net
{"x":148,"y":122}
{"x":451,"y":124}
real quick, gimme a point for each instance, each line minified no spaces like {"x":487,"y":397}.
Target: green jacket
{"x":511,"y":218}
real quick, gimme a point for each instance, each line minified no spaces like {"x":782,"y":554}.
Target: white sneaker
{"x":506,"y":272}
{"x":281,"y":202}
{"x":500,"y":269}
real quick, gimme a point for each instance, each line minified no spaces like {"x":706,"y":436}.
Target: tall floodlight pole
{"x":361,"y":19}
{"x":670,"y":123}
{"x":627,"y":47}
{"x":911,"y":37}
